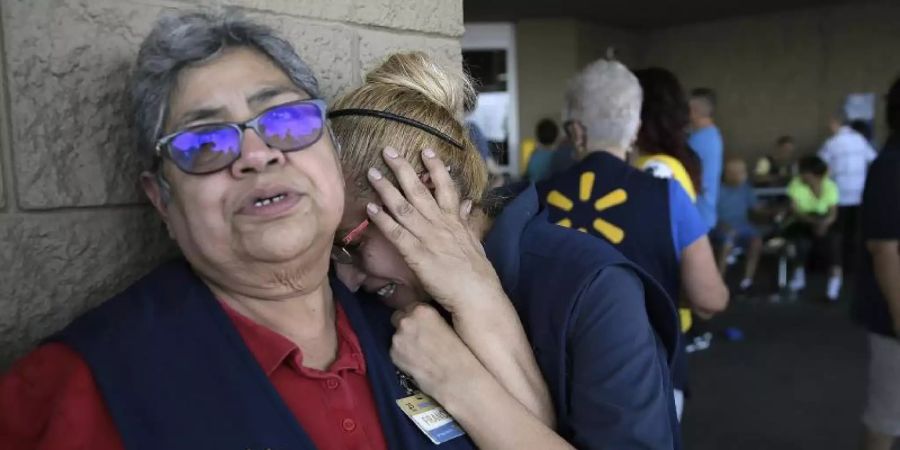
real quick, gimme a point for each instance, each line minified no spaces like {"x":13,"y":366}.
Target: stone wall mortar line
{"x":182,"y":6}
{"x":86,"y":208}
{"x":10,"y":205}
{"x":356,"y":59}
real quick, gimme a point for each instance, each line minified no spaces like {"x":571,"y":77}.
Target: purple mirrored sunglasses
{"x":209,"y":148}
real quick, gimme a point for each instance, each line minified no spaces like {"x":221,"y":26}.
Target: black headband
{"x":391,"y":116}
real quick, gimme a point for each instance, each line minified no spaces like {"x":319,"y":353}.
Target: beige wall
{"x":550,"y":51}
{"x":784,"y":73}
{"x":74,"y":228}
{"x":547,"y":57}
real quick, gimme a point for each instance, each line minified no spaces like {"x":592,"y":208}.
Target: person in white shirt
{"x":848,"y":155}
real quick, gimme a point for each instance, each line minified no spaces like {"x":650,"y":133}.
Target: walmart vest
{"x":176,"y":374}
{"x":606,"y":197}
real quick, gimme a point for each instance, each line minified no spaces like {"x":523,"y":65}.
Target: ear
{"x":577,"y":133}
{"x":159,"y":195}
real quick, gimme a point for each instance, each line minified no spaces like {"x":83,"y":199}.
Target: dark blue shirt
{"x":602,"y":330}
{"x":880,"y":221}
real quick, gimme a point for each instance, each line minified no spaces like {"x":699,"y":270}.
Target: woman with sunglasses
{"x":599,"y":329}
{"x":245,"y":343}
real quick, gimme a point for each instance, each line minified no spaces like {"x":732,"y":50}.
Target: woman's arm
{"x":427,"y":348}
{"x":620,"y":394}
{"x":434,"y":239}
{"x":700,"y":279}
{"x":701,"y":282}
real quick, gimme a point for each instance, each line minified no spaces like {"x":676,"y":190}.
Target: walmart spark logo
{"x":586,"y":186}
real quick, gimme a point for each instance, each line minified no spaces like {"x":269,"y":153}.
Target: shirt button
{"x":331,"y":383}
{"x":348,"y":424}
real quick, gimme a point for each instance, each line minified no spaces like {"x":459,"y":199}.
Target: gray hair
{"x":606,"y":98}
{"x":180,"y":40}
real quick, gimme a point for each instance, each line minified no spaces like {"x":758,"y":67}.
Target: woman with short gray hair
{"x":652,"y":221}
{"x":245,"y":343}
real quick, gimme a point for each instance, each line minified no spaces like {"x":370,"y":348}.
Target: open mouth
{"x":260,"y":202}
{"x":387,"y":290}
{"x":270,"y":202}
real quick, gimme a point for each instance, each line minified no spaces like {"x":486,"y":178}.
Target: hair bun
{"x":416,"y":71}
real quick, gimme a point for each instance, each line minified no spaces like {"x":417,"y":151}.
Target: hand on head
{"x":432,"y":232}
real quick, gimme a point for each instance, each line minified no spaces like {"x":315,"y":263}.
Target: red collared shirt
{"x":49,"y":399}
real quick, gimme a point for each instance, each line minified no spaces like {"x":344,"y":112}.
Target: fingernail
{"x":375,"y":174}
{"x":372,"y":208}
{"x":467,"y":207}
{"x":391,"y":153}
{"x":428,"y":153}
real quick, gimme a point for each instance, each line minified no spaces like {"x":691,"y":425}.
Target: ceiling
{"x":635,"y":14}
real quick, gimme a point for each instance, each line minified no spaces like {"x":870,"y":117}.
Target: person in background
{"x":482,"y":145}
{"x":863,"y":128}
{"x":877,"y":305}
{"x":481,"y":142}
{"x":706,"y":140}
{"x":541,"y":159}
{"x":814,"y":200}
{"x":662,"y":147}
{"x":848,"y":155}
{"x":736,"y":203}
{"x":778,"y":167}
{"x":652,"y":221}
{"x":563,"y":157}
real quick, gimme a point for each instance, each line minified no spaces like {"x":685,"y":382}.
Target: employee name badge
{"x":430,"y":417}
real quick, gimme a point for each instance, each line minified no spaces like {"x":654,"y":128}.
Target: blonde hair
{"x":413,"y":86}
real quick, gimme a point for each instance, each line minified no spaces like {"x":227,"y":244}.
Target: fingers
{"x":397,"y":316}
{"x":465,"y":209}
{"x":444,"y":188}
{"x":415,"y":190}
{"x":415,"y":315}
{"x":396,"y":233}
{"x":405,"y":213}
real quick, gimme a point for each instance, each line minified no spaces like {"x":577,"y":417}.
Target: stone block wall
{"x":74,"y":227}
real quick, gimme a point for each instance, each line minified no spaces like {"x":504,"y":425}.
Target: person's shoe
{"x":834,"y":289}
{"x":798,"y":281}
{"x":699,"y":343}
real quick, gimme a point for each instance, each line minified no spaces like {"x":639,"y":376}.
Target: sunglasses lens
{"x":205,"y":149}
{"x":292,"y":127}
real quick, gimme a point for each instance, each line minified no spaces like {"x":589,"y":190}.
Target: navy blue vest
{"x":634,"y":214}
{"x":519,"y":245}
{"x":176,"y":374}
{"x":606,"y":197}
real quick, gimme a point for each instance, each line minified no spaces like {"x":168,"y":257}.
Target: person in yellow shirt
{"x":661,"y":147}
{"x":814,"y":200}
